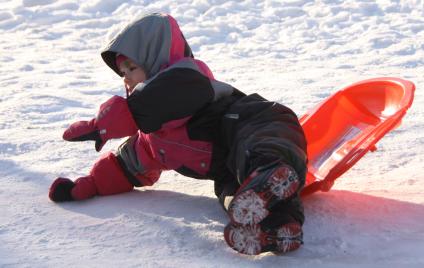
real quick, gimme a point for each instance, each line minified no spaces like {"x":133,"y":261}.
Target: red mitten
{"x":114,"y":120}
{"x":60,"y":190}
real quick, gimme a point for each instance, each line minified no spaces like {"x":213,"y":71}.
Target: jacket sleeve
{"x":137,"y":162}
{"x":172,"y":95}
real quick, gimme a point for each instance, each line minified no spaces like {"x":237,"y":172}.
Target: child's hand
{"x":114,"y":120}
{"x":60,"y":190}
{"x":84,"y":131}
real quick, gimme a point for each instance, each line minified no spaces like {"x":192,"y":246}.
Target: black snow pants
{"x":259,"y":132}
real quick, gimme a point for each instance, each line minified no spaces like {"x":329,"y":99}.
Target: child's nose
{"x":127,"y":79}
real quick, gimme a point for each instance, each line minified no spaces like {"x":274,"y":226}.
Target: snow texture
{"x":296,"y":52}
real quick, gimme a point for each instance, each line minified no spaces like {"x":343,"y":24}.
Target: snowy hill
{"x":296,"y":52}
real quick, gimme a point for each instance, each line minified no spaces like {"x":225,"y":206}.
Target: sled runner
{"x":348,"y":124}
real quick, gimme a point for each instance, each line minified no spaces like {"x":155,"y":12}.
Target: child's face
{"x":132,"y":73}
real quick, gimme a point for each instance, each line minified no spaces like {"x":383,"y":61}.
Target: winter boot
{"x":253,"y":240}
{"x":280,"y":232}
{"x":264,"y":188}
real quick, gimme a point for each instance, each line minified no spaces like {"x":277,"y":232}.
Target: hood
{"x":153,"y":42}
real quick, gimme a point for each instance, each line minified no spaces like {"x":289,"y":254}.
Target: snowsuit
{"x":183,"y":119}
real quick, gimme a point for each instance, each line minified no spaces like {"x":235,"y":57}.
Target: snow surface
{"x":296,"y":52}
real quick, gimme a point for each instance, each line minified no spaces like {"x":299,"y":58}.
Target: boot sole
{"x":251,"y":240}
{"x":262,"y":190}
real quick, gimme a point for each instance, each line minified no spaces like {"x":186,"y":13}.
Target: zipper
{"x":179,"y":144}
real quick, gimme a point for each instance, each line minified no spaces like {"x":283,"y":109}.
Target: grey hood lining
{"x":146,"y":41}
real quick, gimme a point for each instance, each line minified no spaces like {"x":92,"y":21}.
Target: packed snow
{"x":296,"y":52}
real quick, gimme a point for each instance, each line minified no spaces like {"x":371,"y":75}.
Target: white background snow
{"x":296,"y":52}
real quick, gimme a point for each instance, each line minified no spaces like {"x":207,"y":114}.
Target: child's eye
{"x":132,"y":68}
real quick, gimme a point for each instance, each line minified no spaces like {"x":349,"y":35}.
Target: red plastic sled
{"x":348,"y":124}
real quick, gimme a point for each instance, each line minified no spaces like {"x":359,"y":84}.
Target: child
{"x":180,"y":118}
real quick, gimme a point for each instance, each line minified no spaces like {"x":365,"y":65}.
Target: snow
{"x":296,"y":52}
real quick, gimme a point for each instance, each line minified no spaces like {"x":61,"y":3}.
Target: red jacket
{"x":163,"y":108}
